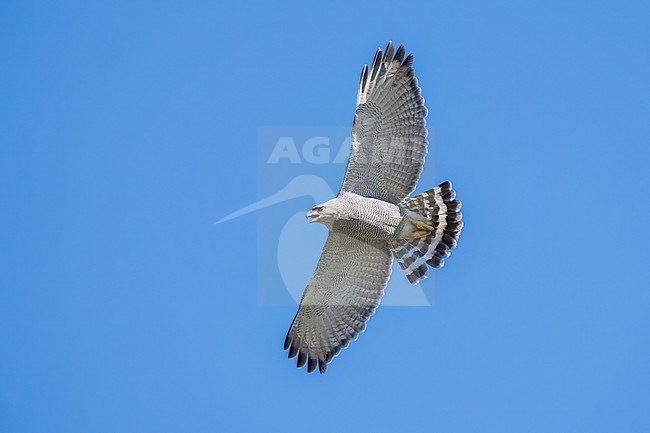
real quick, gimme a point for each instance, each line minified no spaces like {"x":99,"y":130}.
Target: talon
{"x":421,"y":225}
{"x":422,"y":229}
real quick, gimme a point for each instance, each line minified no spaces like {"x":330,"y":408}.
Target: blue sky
{"x":127,"y":130}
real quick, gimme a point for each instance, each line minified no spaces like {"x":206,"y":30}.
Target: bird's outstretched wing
{"x":389,"y":134}
{"x":342,"y":294}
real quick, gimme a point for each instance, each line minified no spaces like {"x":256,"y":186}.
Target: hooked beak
{"x":312,"y":215}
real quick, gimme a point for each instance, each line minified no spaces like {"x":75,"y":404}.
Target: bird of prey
{"x":373,"y":219}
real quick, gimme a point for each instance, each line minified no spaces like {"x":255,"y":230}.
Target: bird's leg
{"x":421,"y":229}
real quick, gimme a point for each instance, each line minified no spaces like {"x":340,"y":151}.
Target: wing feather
{"x":389,"y":134}
{"x":343,"y":293}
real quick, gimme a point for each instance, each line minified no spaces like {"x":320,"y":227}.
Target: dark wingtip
{"x":399,"y":54}
{"x":302,"y":359}
{"x":287,"y":341}
{"x":375,"y":66}
{"x":311,"y":364}
{"x":388,"y":52}
{"x":408,"y":62}
{"x":293,"y":351}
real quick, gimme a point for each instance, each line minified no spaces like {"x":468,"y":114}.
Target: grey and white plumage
{"x":372,"y":219}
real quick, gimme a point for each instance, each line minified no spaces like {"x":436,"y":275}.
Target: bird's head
{"x":325,"y":213}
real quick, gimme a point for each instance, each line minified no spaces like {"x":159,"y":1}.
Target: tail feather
{"x":442,"y":210}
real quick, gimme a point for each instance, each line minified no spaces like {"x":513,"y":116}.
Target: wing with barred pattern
{"x":389,"y":134}
{"x":343,"y":293}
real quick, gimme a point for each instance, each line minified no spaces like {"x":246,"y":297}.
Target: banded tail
{"x":442,"y":210}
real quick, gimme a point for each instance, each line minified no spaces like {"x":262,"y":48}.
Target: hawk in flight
{"x":372,"y":219}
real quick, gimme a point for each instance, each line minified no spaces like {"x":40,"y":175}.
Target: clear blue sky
{"x":127,"y":130}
